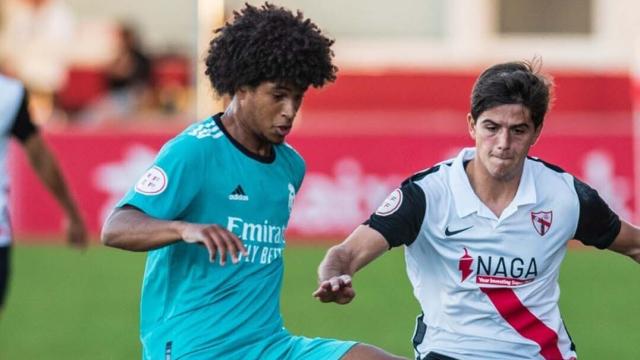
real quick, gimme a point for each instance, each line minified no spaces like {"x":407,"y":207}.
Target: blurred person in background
{"x":223,"y":190}
{"x":485,"y":233}
{"x":15,"y":121}
{"x":35,"y":41}
{"x":129,"y":73}
{"x":128,"y":80}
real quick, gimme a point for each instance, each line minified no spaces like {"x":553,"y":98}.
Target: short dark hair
{"x":269,"y":43}
{"x":513,"y":83}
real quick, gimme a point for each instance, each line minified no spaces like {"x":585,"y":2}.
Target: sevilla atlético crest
{"x":541,"y":221}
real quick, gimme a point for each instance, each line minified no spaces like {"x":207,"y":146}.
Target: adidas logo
{"x":238,"y":194}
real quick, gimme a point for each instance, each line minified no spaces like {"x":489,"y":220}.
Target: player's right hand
{"x":216,"y":239}
{"x":336,"y":289}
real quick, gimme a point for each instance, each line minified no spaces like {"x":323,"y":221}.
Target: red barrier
{"x":347,"y":176}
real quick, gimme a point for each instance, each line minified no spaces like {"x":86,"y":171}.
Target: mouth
{"x":283,"y":130}
{"x":502,"y":157}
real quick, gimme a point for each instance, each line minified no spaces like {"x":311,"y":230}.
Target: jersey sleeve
{"x":598,"y":225}
{"x":169,"y":186}
{"x":400,"y":216}
{"x":23,"y":127}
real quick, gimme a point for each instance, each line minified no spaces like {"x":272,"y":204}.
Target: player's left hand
{"x":337,"y":289}
{"x":77,"y":233}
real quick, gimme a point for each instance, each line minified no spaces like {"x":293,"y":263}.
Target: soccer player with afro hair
{"x":213,"y":207}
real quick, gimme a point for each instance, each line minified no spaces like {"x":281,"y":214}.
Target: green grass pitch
{"x":68,"y":305}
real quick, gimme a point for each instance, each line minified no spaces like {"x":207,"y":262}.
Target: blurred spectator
{"x":128,"y":77}
{"x":34,"y":47}
{"x":130,"y":70}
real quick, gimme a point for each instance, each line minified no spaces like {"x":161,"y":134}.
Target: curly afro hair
{"x":269,"y":43}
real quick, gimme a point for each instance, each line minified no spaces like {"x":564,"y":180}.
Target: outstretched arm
{"x":49,"y":173}
{"x":342,"y":261}
{"x":130,"y":229}
{"x":628,"y":241}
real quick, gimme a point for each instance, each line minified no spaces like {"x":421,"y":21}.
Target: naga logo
{"x":497,"y":270}
{"x":465,"y":265}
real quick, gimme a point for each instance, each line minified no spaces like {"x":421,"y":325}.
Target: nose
{"x":504,"y":139}
{"x":290,"y":108}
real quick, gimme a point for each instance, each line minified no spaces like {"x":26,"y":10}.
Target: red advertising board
{"x":347,"y":176}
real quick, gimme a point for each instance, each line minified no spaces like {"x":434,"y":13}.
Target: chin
{"x":503,"y":174}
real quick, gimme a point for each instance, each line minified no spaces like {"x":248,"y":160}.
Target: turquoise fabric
{"x":192,"y":308}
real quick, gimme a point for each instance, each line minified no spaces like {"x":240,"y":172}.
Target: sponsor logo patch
{"x":238,"y":194}
{"x":153,"y":182}
{"x":391,"y":204}
{"x":497,"y":270}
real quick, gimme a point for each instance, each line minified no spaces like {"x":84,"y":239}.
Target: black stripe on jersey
{"x":419,"y":333}
{"x":573,"y":345}
{"x":403,"y":226}
{"x":555,"y":168}
{"x":23,"y":127}
{"x":420,"y":175}
{"x":598,"y":225}
{"x":437,"y":356}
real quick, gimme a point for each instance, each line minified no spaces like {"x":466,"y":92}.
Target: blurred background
{"x":110,"y":82}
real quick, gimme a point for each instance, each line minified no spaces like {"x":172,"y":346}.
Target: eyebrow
{"x":491,"y":122}
{"x":282,"y":87}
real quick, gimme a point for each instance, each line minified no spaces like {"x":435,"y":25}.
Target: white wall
{"x":460,"y":34}
{"x":164,"y":24}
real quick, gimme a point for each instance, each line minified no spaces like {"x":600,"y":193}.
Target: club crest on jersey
{"x":153,"y":182}
{"x":391,"y":204}
{"x":541,"y":221}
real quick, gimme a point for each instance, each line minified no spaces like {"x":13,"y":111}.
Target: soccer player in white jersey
{"x":485,"y":233}
{"x":15,"y":121}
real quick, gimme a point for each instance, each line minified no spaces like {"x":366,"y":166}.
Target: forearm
{"x":47,"y":169}
{"x":338,"y":261}
{"x":628,"y":241}
{"x":132,"y":230}
{"x":359,"y":249}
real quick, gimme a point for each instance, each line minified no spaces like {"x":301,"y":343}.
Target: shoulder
{"x":205,"y":131}
{"x":290,"y":155}
{"x":429,"y":174}
{"x":190,"y":143}
{"x":549,"y":175}
{"x":432,"y":181}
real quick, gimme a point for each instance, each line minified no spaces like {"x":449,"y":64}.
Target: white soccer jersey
{"x":14,"y":120}
{"x":487,"y":285}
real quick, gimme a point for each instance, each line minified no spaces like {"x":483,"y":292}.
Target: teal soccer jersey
{"x":192,"y":308}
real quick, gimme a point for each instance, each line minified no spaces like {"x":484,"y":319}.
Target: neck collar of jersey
{"x":466,"y":200}
{"x":263,"y":159}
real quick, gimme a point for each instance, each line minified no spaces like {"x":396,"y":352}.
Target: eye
{"x":278,"y":96}
{"x":491,"y":128}
{"x":519,"y":131}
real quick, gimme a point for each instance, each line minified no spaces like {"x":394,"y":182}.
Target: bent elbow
{"x":107,"y":237}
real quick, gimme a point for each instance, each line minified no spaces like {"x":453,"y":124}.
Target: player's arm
{"x":131,"y":229}
{"x":47,"y":169}
{"x":342,"y":261}
{"x":599,"y":226}
{"x":628,"y":241}
{"x":396,"y":222}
